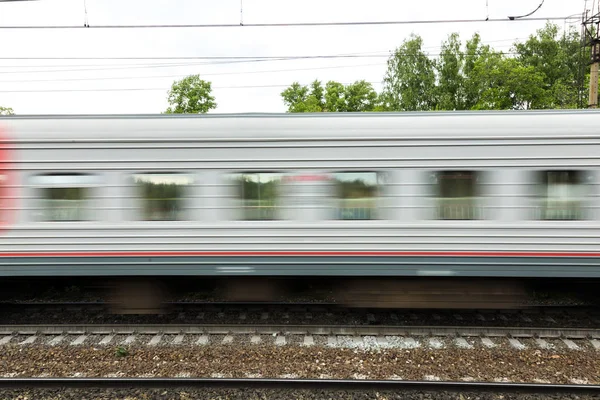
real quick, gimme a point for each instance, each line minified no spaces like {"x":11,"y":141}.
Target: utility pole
{"x":591,"y":25}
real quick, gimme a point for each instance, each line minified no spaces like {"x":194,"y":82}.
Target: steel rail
{"x":343,"y":330}
{"x":218,"y":303}
{"x":267,"y":383}
{"x":222,"y":303}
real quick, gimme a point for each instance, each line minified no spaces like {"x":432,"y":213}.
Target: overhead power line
{"x":179,"y":75}
{"x":167,"y":65}
{"x":356,"y":55}
{"x":365,"y":53}
{"x":284,"y":25}
{"x":150,"y":89}
{"x":100,"y":67}
{"x":527,"y":15}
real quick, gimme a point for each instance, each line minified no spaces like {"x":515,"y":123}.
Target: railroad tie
{"x":516,"y":344}
{"x":79,"y":341}
{"x":5,"y":340}
{"x":56,"y":340}
{"x":202,"y":340}
{"x":106,"y":340}
{"x":178,"y":339}
{"x":155,"y":340}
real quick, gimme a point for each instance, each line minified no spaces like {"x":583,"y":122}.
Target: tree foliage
{"x":191,"y":95}
{"x":477,"y":77}
{"x":410,"y":81}
{"x":335,"y":97}
{"x":6,"y":111}
{"x":507,"y":84}
{"x":356,"y":189}
{"x":545,"y":71}
{"x":559,"y":59}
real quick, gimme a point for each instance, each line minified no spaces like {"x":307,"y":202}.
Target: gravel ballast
{"x":558,"y":317}
{"x":266,"y":394}
{"x":241,"y":361}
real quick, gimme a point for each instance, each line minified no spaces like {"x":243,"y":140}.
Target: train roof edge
{"x":304,"y":115}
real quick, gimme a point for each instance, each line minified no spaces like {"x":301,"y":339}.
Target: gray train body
{"x":506,"y":239}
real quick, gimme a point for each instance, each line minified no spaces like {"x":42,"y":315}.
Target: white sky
{"x":16,"y":76}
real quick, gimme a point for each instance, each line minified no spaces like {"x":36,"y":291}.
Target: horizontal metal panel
{"x":300,"y":247}
{"x":369,"y":142}
{"x":285,"y":166}
{"x":349,"y":159}
{"x":305,"y":266}
{"x":421,"y":126}
{"x":425,"y":228}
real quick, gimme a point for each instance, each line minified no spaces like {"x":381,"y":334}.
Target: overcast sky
{"x":19,"y":79}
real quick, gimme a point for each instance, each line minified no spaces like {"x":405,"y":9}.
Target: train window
{"x":64,"y":197}
{"x":357,"y":194}
{"x":258,"y":193}
{"x":162,"y":195}
{"x":457,"y":195}
{"x":561,"y":195}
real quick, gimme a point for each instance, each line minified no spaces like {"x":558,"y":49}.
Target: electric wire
{"x":180,"y":75}
{"x":154,"y":89}
{"x":179,"y":65}
{"x":527,"y":15}
{"x":226,"y":57}
{"x":286,"y":25}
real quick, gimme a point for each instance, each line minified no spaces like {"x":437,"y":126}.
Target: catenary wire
{"x":284,"y":25}
{"x":151,"y":89}
{"x":179,"y":75}
{"x":173,"y":65}
{"x":227,"y":57}
{"x":169,"y":65}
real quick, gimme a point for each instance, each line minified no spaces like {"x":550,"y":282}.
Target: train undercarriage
{"x":135,"y":295}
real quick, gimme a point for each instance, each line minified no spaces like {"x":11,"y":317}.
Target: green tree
{"x":191,"y":95}
{"x":299,"y":98}
{"x":6,"y":111}
{"x":335,"y":100}
{"x":410,"y":81}
{"x":506,"y":84}
{"x":451,"y":78}
{"x":335,"y":97}
{"x":475,"y":53}
{"x":360,"y":96}
{"x":560,"y":60}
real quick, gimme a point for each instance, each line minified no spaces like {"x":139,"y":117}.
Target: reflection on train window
{"x":258,"y":193}
{"x":162,"y":195}
{"x":64,"y":197}
{"x":357,"y":194}
{"x":457,"y":195}
{"x":4,"y":206}
{"x":561,"y":195}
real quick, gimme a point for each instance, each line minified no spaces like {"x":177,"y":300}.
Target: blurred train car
{"x":392,"y":209}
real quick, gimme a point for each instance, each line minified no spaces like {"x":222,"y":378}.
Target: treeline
{"x":355,"y":189}
{"x":252,"y":190}
{"x":546,"y":71}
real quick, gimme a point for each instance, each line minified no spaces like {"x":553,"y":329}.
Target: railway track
{"x":210,"y":313}
{"x":275,"y":347}
{"x":533,"y":355}
{"x":307,"y":384}
{"x":307,"y":335}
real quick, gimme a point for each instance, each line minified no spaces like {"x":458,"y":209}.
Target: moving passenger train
{"x":384,"y":198}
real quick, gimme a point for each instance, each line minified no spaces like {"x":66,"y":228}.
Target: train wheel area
{"x":135,"y":295}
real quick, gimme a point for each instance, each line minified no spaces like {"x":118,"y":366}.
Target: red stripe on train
{"x":8,"y":192}
{"x":297,"y":254}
